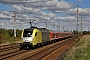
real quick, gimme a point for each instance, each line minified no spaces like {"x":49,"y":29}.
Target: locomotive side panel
{"x":45,"y":36}
{"x":37,"y":37}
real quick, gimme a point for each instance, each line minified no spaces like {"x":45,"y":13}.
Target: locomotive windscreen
{"x":27,"y":33}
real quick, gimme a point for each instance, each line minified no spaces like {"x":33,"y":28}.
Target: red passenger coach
{"x":57,"y":35}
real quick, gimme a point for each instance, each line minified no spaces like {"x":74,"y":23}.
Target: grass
{"x":81,"y":50}
{"x":10,"y":40}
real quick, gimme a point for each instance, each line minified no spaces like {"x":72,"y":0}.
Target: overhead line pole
{"x":77,"y":19}
{"x":14,"y":24}
{"x":46,"y":24}
{"x":88,"y":28}
{"x":63,"y":28}
{"x":81,"y":24}
{"x":59,"y":25}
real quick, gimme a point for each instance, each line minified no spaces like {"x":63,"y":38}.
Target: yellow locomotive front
{"x":31,"y":37}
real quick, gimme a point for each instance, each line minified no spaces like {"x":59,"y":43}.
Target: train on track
{"x":36,"y":36}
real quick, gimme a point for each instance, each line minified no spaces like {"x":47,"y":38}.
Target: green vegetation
{"x":7,"y":36}
{"x":86,"y":32}
{"x":81,"y":50}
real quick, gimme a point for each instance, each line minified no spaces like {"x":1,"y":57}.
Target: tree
{"x":75,"y":32}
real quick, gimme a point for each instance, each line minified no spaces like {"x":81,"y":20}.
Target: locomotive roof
{"x":32,"y":28}
{"x":28,"y":29}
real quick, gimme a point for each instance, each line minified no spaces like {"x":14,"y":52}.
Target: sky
{"x":57,"y":13}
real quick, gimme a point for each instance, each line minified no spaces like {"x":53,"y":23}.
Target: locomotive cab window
{"x":27,"y":33}
{"x":36,"y":34}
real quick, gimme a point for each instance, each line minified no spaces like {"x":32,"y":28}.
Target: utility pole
{"x":77,"y":19}
{"x":81,"y":25}
{"x":88,"y":28}
{"x":71,"y":28}
{"x":45,"y":23}
{"x":14,"y":24}
{"x":63,"y":28}
{"x":53,"y":25}
{"x":59,"y":25}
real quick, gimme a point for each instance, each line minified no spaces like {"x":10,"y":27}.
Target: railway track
{"x":41,"y":54}
{"x":36,"y":54}
{"x":6,"y":49}
{"x":8,"y":45}
{"x":60,"y":51}
{"x":2,"y":57}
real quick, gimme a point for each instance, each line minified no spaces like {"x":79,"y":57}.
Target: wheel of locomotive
{"x":42,"y":44}
{"x":39,"y":44}
{"x":26,"y":47}
{"x":45,"y":43}
{"x":48,"y":42}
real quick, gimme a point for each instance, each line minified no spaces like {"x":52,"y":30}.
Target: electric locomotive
{"x":35,"y":36}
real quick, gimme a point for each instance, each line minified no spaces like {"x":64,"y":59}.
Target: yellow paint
{"x":22,"y":33}
{"x":38,"y":37}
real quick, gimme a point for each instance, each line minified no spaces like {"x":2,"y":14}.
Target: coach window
{"x":53,"y":34}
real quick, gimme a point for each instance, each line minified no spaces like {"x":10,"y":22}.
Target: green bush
{"x":81,"y":50}
{"x":7,"y":36}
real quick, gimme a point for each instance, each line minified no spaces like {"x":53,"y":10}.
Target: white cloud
{"x":67,"y":18}
{"x":27,"y":9}
{"x":52,"y":5}
{"x":21,"y":2}
{"x":1,"y":23}
{"x":2,"y":16}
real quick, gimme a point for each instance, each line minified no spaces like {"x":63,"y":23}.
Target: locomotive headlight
{"x":32,"y":38}
{"x":28,"y":39}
